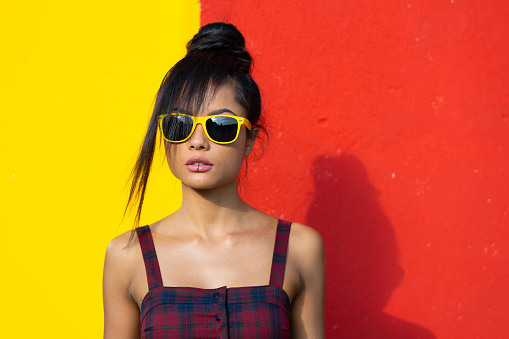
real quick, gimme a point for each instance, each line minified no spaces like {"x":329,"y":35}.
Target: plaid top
{"x":238,"y":312}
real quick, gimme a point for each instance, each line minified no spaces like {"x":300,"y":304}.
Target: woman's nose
{"x":198,"y":139}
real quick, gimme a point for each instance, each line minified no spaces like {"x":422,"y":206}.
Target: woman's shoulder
{"x":305,"y":236}
{"x":123,"y":253}
{"x":305,"y":244}
{"x":124,"y":243}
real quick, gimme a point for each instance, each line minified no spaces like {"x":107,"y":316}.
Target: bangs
{"x":193,"y":82}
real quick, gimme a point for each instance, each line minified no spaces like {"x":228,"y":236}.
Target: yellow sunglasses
{"x":221,"y":129}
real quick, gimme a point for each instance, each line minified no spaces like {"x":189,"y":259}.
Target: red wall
{"x":390,"y":135}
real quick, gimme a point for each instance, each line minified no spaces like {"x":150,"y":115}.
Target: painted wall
{"x":390,"y":135}
{"x":77,"y":80}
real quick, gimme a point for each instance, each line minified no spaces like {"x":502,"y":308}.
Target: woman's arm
{"x":308,"y":305}
{"x":121,"y":313}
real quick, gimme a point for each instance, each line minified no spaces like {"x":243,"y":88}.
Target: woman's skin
{"x":215,"y":239}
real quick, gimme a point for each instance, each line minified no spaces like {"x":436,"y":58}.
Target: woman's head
{"x":216,"y":57}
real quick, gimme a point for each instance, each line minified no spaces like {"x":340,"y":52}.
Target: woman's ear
{"x":251,"y":137}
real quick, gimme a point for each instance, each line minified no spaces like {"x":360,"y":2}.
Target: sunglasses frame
{"x":202,"y":121}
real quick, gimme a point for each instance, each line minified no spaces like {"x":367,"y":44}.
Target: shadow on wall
{"x":362,"y":254}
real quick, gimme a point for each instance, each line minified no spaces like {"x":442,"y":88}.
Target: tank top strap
{"x":277,"y":273}
{"x":154,"y":278}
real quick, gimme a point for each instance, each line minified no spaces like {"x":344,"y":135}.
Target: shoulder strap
{"x":277,"y":273}
{"x":154,"y":278}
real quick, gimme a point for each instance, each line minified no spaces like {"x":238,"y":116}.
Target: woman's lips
{"x":198,"y":164}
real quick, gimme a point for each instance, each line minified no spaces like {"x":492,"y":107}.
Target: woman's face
{"x":203,"y":164}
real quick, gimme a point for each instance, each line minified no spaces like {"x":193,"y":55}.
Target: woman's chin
{"x":203,"y":185}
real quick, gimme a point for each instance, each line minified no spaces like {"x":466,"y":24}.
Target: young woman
{"x":217,"y":267}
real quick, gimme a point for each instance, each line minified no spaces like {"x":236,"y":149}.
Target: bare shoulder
{"x":123,"y":255}
{"x":305,"y":240}
{"x":124,"y":244}
{"x":305,"y":249}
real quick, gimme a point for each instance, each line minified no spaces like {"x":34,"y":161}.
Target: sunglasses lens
{"x":222,"y":129}
{"x":176,"y":127}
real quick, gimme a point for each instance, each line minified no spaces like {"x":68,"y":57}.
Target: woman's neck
{"x":212,"y":212}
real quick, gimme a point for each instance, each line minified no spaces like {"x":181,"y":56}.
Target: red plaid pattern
{"x":240,"y":312}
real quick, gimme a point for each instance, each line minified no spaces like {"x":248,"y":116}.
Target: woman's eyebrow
{"x":219,"y":111}
{"x":215,"y":112}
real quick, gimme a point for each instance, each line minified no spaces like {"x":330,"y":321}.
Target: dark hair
{"x":216,"y":56}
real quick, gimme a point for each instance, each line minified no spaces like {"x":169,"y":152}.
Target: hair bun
{"x":223,"y":38}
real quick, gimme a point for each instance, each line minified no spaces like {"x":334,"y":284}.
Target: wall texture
{"x":389,"y":135}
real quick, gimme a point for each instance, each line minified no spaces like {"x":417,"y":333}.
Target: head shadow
{"x":361,"y":252}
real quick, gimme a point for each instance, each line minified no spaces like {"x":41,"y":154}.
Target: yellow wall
{"x":77,"y":83}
